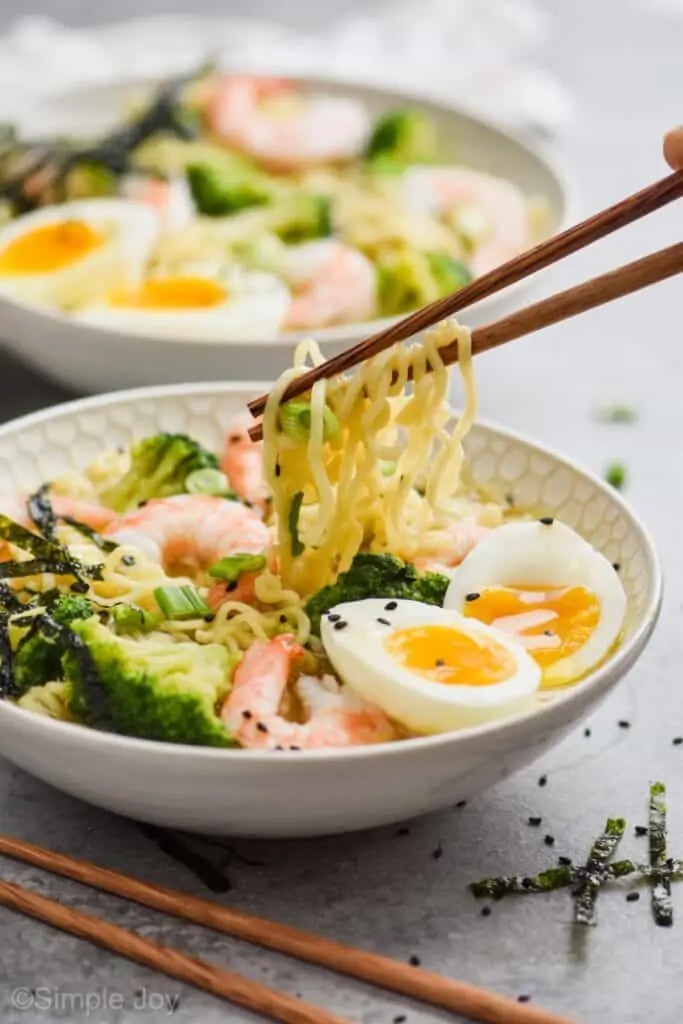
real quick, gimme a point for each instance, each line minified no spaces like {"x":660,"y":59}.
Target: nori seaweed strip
{"x":22,"y":538}
{"x":41,"y":512}
{"x":102,"y":543}
{"x":36,"y":566}
{"x":546,"y":881}
{"x":660,"y":879}
{"x":594,"y":873}
{"x":9,"y":602}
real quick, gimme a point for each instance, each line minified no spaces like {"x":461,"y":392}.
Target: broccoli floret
{"x":148,"y":687}
{"x":411,"y":278}
{"x":373,"y":575}
{"x":219,"y":191}
{"x":160,"y":465}
{"x":400,"y":138}
{"x":38,"y":655}
{"x":300,"y":217}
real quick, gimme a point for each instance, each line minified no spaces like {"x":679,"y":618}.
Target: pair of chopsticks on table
{"x":433,"y":989}
{"x":592,"y":293}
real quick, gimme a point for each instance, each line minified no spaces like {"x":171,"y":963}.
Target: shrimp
{"x":335,"y":719}
{"x":281,"y":127}
{"x":465,"y":536}
{"x":191,"y":532}
{"x":490,"y":212}
{"x":242,"y":462}
{"x":88,"y":512}
{"x":332,"y":283}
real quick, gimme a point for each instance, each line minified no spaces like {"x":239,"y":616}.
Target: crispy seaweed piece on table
{"x":594,"y":873}
{"x":661,"y":866}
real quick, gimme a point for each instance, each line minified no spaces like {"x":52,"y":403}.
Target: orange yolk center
{"x":442,"y":654}
{"x":552,"y":622}
{"x":172,"y":293}
{"x":48,"y":248}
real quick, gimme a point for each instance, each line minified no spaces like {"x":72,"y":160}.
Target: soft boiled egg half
{"x":202,"y":302}
{"x":62,"y":256}
{"x":549,"y":590}
{"x":431,"y":669}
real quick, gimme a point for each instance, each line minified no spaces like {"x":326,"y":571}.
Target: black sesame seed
{"x":141,"y":504}
{"x":586,"y":733}
{"x":209,"y":617}
{"x":564,"y":862}
{"x":384,"y":622}
{"x":632,"y":897}
{"x":472,"y":597}
{"x":510,"y":500}
{"x":340,"y":625}
{"x":677,"y":740}
{"x":401,"y":1019}
{"x":247,"y":504}
{"x":232,"y":585}
{"x":461,"y":803}
{"x":624,"y":724}
{"x":278,"y":747}
{"x":128,"y":559}
{"x":527,"y":882}
{"x":391,"y":606}
{"x":548,"y":632}
{"x":437,"y":854}
{"x":543,"y":781}
{"x":262,"y":727}
{"x":283,"y":618}
{"x":549,"y":840}
{"x":439,"y":663}
{"x":640,"y":830}
{"x":235,"y":438}
{"x":414,"y":961}
{"x":535,"y":821}
{"x":403,"y":831}
{"x":248,"y":715}
{"x":523,"y":999}
{"x":333,"y":617}
{"x":616,"y":566}
{"x":277,"y":469}
{"x":293,"y":747}
{"x":485,"y":911}
{"x":547,"y":520}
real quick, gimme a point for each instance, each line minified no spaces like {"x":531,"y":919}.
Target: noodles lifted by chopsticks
{"x":378,"y":464}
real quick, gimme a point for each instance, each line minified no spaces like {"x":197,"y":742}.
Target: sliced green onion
{"x":615,"y":474}
{"x":617,"y":414}
{"x":207,"y":481}
{"x":295,"y":421}
{"x":231,"y":568}
{"x":129,"y":618}
{"x":181,"y":602}
{"x":293,"y":521}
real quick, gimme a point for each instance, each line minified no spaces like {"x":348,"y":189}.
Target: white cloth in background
{"x":480,"y":54}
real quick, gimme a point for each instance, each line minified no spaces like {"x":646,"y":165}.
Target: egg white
{"x":539,"y":554}
{"x":360,"y":658}
{"x":130,"y":230}
{"x":255,"y":306}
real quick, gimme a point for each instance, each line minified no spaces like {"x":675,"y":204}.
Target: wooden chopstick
{"x":456,"y":996}
{"x":597,"y":291}
{"x":220,"y":982}
{"x":581,"y":235}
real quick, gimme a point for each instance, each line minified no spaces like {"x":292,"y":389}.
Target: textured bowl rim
{"x":597,"y":681}
{"x":552,"y":163}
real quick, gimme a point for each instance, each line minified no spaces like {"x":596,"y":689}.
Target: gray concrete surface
{"x":385,"y":891}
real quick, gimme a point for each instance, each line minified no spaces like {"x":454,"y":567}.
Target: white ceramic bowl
{"x":236,"y":792}
{"x":95,"y":359}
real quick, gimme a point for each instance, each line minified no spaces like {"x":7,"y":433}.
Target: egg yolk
{"x":445,"y":655}
{"x":50,"y":247}
{"x":172,"y":293}
{"x":551,"y":622}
